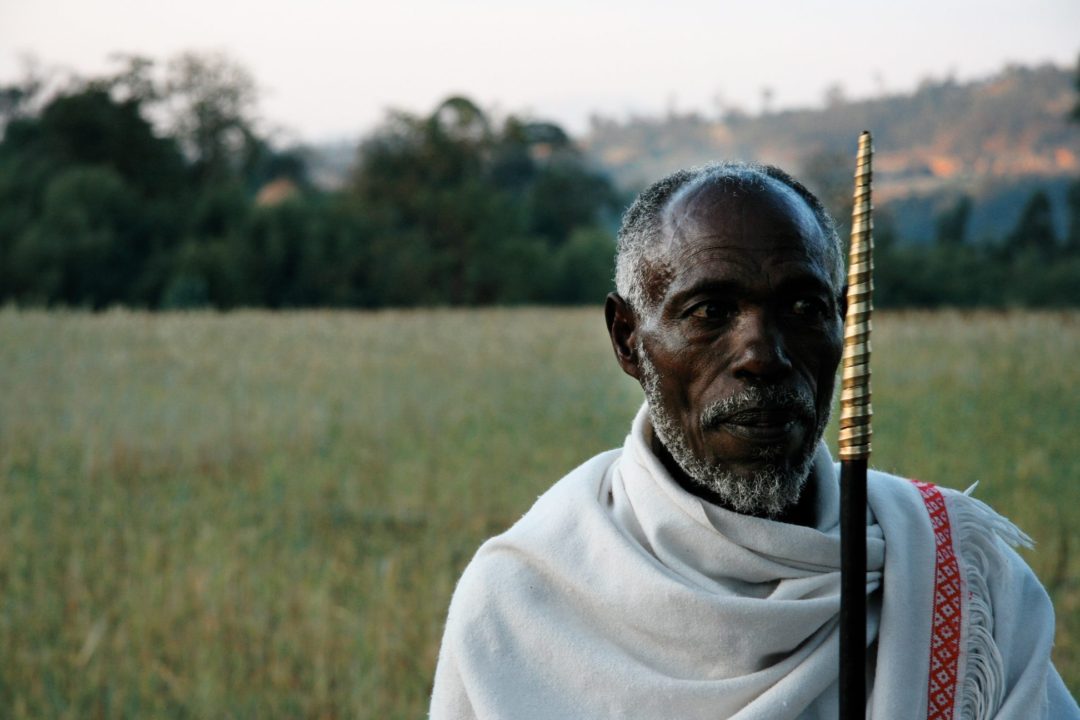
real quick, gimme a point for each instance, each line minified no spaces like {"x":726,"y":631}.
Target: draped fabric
{"x":620,"y":595}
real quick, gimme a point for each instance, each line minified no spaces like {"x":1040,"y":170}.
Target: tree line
{"x":100,"y":205}
{"x":155,"y":187}
{"x":1032,"y":267}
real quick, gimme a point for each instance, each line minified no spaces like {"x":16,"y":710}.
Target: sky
{"x":329,"y":69}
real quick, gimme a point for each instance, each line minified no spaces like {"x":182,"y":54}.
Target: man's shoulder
{"x":984,"y":542}
{"x":956,"y":541}
{"x":964,"y":513}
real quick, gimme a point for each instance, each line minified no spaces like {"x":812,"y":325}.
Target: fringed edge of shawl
{"x":983,"y":685}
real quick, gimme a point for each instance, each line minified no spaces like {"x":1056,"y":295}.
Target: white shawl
{"x":620,"y":595}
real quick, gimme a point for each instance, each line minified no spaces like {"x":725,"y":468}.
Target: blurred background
{"x":300,"y":302}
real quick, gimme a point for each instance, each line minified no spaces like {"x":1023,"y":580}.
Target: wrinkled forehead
{"x":757,"y":222}
{"x":757,"y":215}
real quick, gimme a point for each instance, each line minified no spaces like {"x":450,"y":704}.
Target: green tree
{"x":98,"y":207}
{"x":17,"y":98}
{"x":1034,"y":231}
{"x":210,"y":102}
{"x":1072,"y":239}
{"x":584,"y":267}
{"x":1072,"y":201}
{"x":133,"y":81}
{"x":951,"y":226}
{"x":564,"y":196}
{"x":477,"y":210}
{"x":85,"y":246}
{"x":82,"y":137}
{"x":89,"y":127}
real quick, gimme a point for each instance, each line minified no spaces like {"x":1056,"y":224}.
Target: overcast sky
{"x":328,"y":68}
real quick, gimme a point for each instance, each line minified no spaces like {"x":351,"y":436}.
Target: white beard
{"x":765,"y":492}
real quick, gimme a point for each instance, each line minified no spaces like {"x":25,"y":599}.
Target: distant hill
{"x":995,"y":140}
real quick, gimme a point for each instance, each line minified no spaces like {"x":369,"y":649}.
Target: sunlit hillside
{"x":1009,"y":125}
{"x":996,"y":140}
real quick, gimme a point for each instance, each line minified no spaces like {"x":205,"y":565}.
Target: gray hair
{"x":640,"y":249}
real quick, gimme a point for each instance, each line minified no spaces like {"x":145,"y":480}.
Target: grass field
{"x":259,"y":515}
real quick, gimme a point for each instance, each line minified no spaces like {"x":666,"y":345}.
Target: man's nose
{"x":760,"y":354}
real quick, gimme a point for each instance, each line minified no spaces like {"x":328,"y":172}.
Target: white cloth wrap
{"x":620,"y":595}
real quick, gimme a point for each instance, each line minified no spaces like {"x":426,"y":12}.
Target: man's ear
{"x":622,"y":325}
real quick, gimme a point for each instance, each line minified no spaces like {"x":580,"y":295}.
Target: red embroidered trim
{"x":945,"y":633}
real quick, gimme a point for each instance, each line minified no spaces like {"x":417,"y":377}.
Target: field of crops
{"x":263,"y":515}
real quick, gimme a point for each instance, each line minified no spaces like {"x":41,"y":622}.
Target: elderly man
{"x":695,"y":572}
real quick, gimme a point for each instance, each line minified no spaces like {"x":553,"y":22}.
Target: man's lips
{"x":760,"y":424}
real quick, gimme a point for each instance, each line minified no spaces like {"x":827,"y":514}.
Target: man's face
{"x":738,"y":359}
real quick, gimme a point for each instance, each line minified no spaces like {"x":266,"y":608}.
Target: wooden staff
{"x":854,"y":443}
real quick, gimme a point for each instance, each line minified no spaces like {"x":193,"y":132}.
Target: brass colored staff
{"x":854,"y":443}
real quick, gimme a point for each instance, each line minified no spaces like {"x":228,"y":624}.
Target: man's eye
{"x":810,"y":308}
{"x":710,"y":311}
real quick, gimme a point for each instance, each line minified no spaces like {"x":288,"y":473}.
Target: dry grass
{"x":260,"y":515}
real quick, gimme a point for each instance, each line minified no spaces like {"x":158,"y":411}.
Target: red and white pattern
{"x":945,"y":633}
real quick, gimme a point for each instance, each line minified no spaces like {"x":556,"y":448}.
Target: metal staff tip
{"x":855,"y":410}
